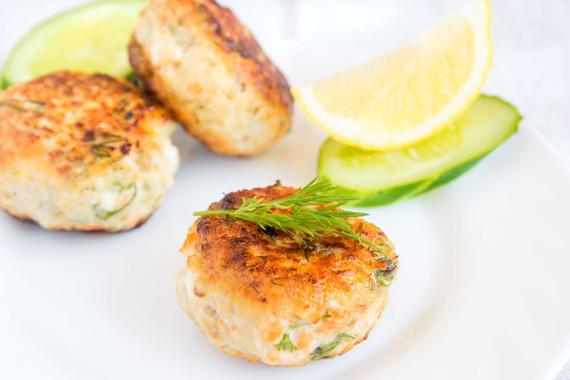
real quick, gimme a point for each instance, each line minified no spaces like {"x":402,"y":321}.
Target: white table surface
{"x":532,"y":44}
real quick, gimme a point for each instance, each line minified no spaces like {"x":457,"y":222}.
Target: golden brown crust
{"x":83,"y":152}
{"x":209,"y":71}
{"x":220,"y":27}
{"x":141,"y":63}
{"x":88,"y":116}
{"x":252,"y":65}
{"x":263,"y":295}
{"x":271,"y":270}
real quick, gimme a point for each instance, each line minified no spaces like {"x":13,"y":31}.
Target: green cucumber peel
{"x":380,"y":178}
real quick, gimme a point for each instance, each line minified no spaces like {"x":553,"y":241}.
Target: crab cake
{"x":267,"y":297}
{"x":83,"y":152}
{"x":208,"y":70}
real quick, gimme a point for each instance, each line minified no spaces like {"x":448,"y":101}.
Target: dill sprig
{"x":325,"y":350}
{"x":24,"y":105}
{"x":304,"y":219}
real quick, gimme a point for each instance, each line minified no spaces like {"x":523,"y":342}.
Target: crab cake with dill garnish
{"x":207,"y":68}
{"x":265,"y":296}
{"x":83,"y":152}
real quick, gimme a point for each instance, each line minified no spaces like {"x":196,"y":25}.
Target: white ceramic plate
{"x":482,"y":293}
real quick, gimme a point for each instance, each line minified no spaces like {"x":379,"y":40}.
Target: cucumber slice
{"x":385,"y":177}
{"x":92,"y":38}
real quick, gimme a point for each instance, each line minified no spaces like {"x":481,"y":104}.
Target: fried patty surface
{"x":267,"y":297}
{"x":83,"y":152}
{"x":209,"y":71}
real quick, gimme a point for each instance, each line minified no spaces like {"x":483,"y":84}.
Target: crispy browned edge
{"x":231,"y":253}
{"x":231,"y":36}
{"x":59,"y":79}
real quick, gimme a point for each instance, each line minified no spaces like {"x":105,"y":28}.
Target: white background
{"x":532,"y":41}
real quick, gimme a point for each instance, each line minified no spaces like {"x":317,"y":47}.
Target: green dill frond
{"x":305,"y":220}
{"x":103,"y":214}
{"x":385,"y":277}
{"x":285,"y":344}
{"x":24,"y":105}
{"x":326,"y":314}
{"x":326,"y":350}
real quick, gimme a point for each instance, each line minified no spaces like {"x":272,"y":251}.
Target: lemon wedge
{"x":411,"y":92}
